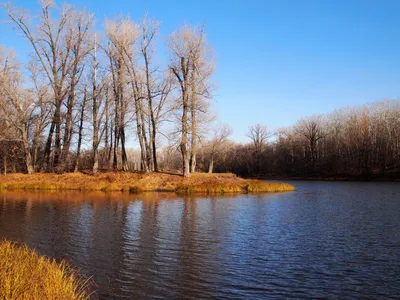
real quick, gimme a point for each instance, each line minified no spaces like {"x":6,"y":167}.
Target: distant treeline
{"x":362,"y":141}
{"x":351,"y":142}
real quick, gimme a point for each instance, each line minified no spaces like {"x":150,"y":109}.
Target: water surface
{"x":327,"y":239}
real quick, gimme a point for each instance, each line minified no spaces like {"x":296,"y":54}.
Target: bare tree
{"x":311,"y":130}
{"x":41,"y":115}
{"x":157,"y":90}
{"x":190,"y":64}
{"x":58,"y":45}
{"x":80,"y":25}
{"x":16,"y":102}
{"x":99,"y":108}
{"x":80,"y":131}
{"x":202,"y":68}
{"x":259,"y":135}
{"x":123,"y":36}
{"x":218,"y":141}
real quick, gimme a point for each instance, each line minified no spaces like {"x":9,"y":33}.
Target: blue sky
{"x":278,"y":61}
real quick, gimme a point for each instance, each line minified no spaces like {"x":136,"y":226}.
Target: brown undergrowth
{"x":141,"y":182}
{"x":26,"y":275}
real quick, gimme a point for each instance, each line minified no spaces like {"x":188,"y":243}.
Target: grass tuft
{"x":256,"y":186}
{"x":26,"y":275}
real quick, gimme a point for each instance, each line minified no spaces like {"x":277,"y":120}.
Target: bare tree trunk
{"x":121,"y":128}
{"x":183,"y":82}
{"x":147,"y":154}
{"x":184,"y":140}
{"x":5,"y":164}
{"x":140,"y":124}
{"x":211,"y":165}
{"x":123,"y":151}
{"x":193,"y":149}
{"x":67,"y":132}
{"x":95,"y":142}
{"x":150,"y":154}
{"x":57,"y":143}
{"x":80,"y":132}
{"x":154,"y":132}
{"x":115,"y":153}
{"x":153,"y":127}
{"x":117,"y":120}
{"x":185,"y":155}
{"x":110,"y":151}
{"x":35,"y":146}
{"x":28,"y":158}
{"x":49,"y":141}
{"x":34,"y":156}
{"x":106,"y":133}
{"x":139,"y":131}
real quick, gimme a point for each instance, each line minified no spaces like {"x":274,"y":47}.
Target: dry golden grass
{"x":140,"y":182}
{"x":26,"y":275}
{"x":255,"y":186}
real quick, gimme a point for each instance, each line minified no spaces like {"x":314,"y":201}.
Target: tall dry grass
{"x":26,"y":275}
{"x":141,"y":182}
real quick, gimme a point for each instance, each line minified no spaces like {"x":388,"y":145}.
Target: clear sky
{"x":278,"y":60}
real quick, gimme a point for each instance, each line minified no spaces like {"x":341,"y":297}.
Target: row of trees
{"x":82,"y":87}
{"x":74,"y":104}
{"x":352,"y":141}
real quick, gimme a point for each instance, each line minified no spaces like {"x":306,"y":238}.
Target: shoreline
{"x":197,"y":183}
{"x":342,"y":179}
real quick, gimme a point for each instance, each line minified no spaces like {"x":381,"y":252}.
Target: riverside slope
{"x":141,"y":182}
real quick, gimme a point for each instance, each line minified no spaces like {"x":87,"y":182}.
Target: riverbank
{"x":371,"y":178}
{"x":26,"y":275}
{"x":141,"y":182}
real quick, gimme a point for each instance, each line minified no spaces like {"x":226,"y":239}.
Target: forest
{"x":84,"y":92}
{"x":360,"y":142}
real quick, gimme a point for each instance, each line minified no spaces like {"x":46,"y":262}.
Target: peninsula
{"x":141,"y":182}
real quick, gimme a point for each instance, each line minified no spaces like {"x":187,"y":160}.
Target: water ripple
{"x":327,"y":240}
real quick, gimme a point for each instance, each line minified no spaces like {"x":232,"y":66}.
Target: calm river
{"x":327,"y":239}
